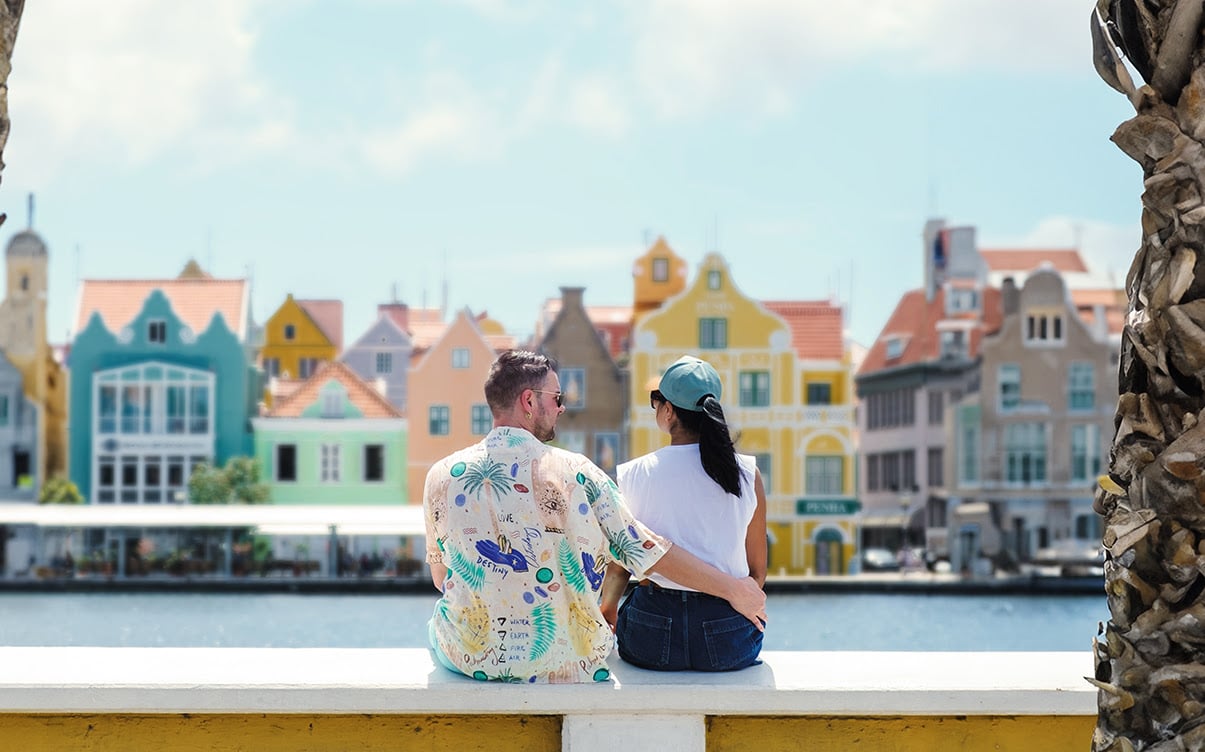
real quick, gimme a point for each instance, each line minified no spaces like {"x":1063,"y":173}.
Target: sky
{"x":372,"y":149}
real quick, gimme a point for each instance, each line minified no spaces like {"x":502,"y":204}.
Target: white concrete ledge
{"x":404,"y":681}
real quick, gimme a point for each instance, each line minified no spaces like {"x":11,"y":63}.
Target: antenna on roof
{"x":29,"y":204}
{"x":393,"y":291}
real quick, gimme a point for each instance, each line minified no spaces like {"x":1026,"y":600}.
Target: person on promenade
{"x":519,"y":537}
{"x":701,"y":494}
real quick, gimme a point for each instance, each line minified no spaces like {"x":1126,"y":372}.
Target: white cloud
{"x":126,"y":79}
{"x":693,"y":55}
{"x":596,"y":105}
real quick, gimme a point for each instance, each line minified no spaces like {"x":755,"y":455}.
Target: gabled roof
{"x":616,"y":320}
{"x":426,"y":326}
{"x":816,"y":327}
{"x":327,"y":315}
{"x":1111,"y":302}
{"x":915,"y":322}
{"x":368,"y":400}
{"x":1026,"y":260}
{"x":195,"y":300}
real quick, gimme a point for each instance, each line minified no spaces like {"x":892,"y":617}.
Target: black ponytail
{"x":715,"y":443}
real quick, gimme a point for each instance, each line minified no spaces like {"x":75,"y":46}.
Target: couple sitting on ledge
{"x":532,"y":546}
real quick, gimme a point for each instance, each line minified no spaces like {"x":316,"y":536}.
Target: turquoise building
{"x":155,"y":393}
{"x":335,"y":440}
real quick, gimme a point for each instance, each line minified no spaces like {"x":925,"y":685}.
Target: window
{"x":959,"y":301}
{"x":107,"y":406}
{"x":1025,"y":453}
{"x":714,"y":279}
{"x":1081,"y":387}
{"x":573,"y":387}
{"x":460,"y":357}
{"x":286,"y":463}
{"x":907,"y":469}
{"x":374,"y":463}
{"x":713,"y":334}
{"x":307,"y":366}
{"x":438,"y":420}
{"x":333,"y":404}
{"x":872,"y":472}
{"x":330,"y":462}
{"x":1043,"y":327}
{"x":272,"y":367}
{"x":895,"y":347}
{"x":156,"y":331}
{"x":755,"y":388}
{"x":106,"y":479}
{"x":953,"y":344}
{"x":891,"y":409}
{"x":935,"y":478}
{"x":481,"y":419}
{"x":937,"y":407}
{"x":3,"y":409}
{"x":891,"y":471}
{"x":1088,"y":527}
{"x":1010,"y":386}
{"x":1085,"y":452}
{"x":661,"y":269}
{"x":819,"y":394}
{"x":968,"y":454}
{"x":765,"y":465}
{"x":177,"y":409}
{"x":384,"y":363}
{"x":290,"y":332}
{"x":198,"y":409}
{"x":825,"y":475}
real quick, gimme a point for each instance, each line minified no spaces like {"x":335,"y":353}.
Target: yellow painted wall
{"x":647,"y":293}
{"x":837,"y":381}
{"x":308,"y":340}
{"x":369,"y":733}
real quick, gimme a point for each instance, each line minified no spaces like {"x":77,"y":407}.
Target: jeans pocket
{"x":643,"y":637}
{"x":732,"y":642}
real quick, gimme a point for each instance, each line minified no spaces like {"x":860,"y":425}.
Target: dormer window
{"x":290,"y":332}
{"x":714,"y":279}
{"x":156,"y":331}
{"x":961,"y":301}
{"x":661,"y":269}
{"x":332,"y":405}
{"x":1043,"y":327}
{"x":895,"y":347}
{"x":953,"y":344}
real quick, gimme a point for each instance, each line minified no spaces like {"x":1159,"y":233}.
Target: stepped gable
{"x":194,"y":298}
{"x":367,"y":400}
{"x":816,"y":327}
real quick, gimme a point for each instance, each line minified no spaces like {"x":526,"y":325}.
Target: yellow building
{"x":787,"y":399}
{"x":298,"y":337}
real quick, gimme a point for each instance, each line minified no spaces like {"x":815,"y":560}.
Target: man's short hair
{"x":511,"y":373}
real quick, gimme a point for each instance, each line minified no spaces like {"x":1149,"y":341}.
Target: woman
{"x":702,"y":495}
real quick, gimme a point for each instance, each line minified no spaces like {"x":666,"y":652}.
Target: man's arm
{"x":742,"y":594}
{"x":439,"y":573}
{"x":613,"y":586}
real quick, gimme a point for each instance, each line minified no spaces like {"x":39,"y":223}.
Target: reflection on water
{"x":797,"y":621}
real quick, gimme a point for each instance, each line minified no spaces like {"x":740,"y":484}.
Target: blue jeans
{"x":681,"y":630}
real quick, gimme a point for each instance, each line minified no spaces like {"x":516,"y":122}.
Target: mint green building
{"x":333,"y":440}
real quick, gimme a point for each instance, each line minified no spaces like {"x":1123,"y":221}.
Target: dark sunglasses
{"x":655,"y":397}
{"x":560,"y":396}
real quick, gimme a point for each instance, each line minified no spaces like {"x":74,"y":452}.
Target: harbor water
{"x":798,"y":621}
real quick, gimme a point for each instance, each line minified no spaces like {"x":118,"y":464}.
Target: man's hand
{"x":749,"y":601}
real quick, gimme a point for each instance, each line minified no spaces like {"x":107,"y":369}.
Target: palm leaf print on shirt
{"x":590,"y":486}
{"x":570,"y":569}
{"x":543,"y":629}
{"x":485,"y":474}
{"x":470,"y":571}
{"x":625,"y":549}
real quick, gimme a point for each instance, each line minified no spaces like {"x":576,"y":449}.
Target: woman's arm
{"x":613,"y":587}
{"x":755,"y":536}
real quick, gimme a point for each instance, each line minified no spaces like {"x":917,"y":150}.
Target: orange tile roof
{"x":426,"y":326}
{"x":194,"y":300}
{"x":915,"y":321}
{"x":369,"y":401}
{"x":1114,"y":302}
{"x":1024,"y":260}
{"x":328,"y":315}
{"x":816,"y":327}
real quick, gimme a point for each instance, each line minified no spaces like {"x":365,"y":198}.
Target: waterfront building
{"x":24,"y":344}
{"x":771,"y":365}
{"x":1031,"y":442}
{"x":298,"y":337}
{"x":161,"y":382}
{"x":924,"y":359}
{"x":657,"y":275}
{"x":334,"y":440}
{"x":594,"y":388}
{"x":447,"y":408}
{"x":382,"y":353}
{"x":612,"y":323}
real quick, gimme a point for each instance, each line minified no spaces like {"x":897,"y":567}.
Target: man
{"x":519,"y":535}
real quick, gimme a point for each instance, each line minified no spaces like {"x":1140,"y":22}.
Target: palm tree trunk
{"x":10,"y":20}
{"x":1150,"y":657}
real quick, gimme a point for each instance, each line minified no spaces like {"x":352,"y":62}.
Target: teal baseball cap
{"x":688,"y":381}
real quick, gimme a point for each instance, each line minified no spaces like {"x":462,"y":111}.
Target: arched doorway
{"x":830,"y":553}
